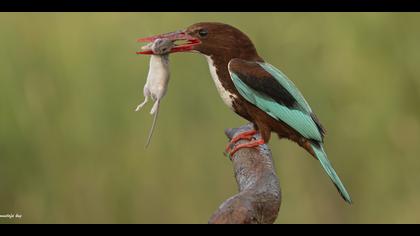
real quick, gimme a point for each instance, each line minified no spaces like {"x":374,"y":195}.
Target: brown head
{"x":211,"y":39}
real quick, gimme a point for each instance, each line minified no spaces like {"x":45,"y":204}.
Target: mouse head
{"x":162,"y":46}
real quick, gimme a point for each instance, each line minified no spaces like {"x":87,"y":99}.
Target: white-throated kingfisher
{"x":255,"y":90}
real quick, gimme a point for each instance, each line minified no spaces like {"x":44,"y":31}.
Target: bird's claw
{"x":248,"y":135}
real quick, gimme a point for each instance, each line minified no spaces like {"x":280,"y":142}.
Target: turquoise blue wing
{"x":271,"y":91}
{"x":288,"y":85}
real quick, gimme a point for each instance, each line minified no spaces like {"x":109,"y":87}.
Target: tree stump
{"x":259,"y":197}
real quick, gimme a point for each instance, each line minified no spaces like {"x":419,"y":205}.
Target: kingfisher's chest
{"x":225,"y":89}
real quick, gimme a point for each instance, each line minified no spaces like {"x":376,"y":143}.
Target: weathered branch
{"x":259,"y":197}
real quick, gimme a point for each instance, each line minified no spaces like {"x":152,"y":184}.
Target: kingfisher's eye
{"x":203,"y":33}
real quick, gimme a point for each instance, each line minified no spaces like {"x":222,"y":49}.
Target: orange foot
{"x":245,"y":135}
{"x":248,"y":135}
{"x":252,"y":144}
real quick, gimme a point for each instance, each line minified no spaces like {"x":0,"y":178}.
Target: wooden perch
{"x":259,"y":197}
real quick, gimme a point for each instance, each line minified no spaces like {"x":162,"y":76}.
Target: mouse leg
{"x":146,"y":99}
{"x":155,"y":107}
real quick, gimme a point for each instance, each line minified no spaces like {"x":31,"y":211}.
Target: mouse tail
{"x":155,"y":111}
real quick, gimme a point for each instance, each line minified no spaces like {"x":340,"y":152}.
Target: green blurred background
{"x":72,"y":147}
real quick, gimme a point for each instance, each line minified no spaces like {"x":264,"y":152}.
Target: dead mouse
{"x":157,"y":79}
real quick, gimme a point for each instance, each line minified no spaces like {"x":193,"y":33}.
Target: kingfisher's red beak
{"x":187,"y":41}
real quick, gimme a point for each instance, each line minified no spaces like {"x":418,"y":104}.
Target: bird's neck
{"x":218,"y":66}
{"x":220,"y":74}
{"x":221,"y":61}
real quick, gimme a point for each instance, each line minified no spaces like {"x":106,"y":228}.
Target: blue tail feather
{"x":322,"y":157}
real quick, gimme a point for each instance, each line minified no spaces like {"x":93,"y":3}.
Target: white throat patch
{"x":226,"y":95}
